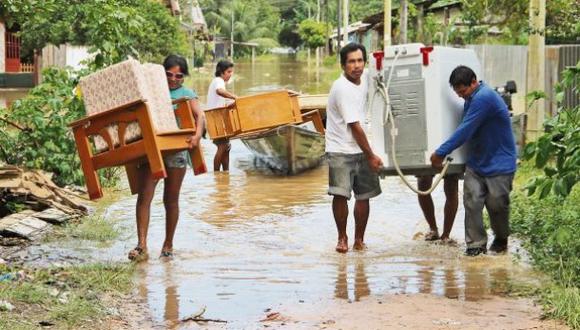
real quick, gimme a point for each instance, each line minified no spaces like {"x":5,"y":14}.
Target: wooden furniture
{"x":131,"y":121}
{"x":253,"y":113}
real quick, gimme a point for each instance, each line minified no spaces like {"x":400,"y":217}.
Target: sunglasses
{"x":170,"y":74}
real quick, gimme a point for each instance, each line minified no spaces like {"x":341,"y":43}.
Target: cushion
{"x":127,"y":82}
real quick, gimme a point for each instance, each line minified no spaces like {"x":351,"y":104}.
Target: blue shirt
{"x":487,"y":130}
{"x":182,"y":92}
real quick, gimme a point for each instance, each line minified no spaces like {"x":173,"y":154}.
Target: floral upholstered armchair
{"x":130,"y":119}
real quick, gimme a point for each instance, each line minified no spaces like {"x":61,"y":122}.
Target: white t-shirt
{"x":346,"y":104}
{"x":214,"y":100}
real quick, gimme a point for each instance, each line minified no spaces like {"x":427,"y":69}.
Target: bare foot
{"x":342,"y":245}
{"x":359,"y":246}
{"x":448,"y":241}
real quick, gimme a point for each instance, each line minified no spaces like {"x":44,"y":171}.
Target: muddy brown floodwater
{"x":250,"y":243}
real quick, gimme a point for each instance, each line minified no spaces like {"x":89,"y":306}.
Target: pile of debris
{"x":44,"y":203}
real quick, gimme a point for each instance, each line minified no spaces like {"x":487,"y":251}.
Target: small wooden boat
{"x":289,"y":149}
{"x":292,"y":149}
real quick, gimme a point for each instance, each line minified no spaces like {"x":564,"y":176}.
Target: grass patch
{"x":68,"y":297}
{"x":92,"y":228}
{"x":549,"y":229}
{"x":563,"y":303}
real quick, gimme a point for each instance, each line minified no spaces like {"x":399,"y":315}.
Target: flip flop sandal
{"x":137,"y":254}
{"x":166,"y":254}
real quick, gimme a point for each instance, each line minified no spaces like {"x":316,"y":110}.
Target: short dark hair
{"x":222,"y":66}
{"x":176,"y":60}
{"x":462,"y":76}
{"x":349,"y":48}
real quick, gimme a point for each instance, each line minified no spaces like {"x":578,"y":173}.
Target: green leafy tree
{"x":557,"y":151}
{"x":312,"y":33}
{"x":254,"y":21}
{"x":512,"y":17}
{"x":113,"y":29}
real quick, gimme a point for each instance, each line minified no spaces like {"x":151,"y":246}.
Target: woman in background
{"x":216,"y":98}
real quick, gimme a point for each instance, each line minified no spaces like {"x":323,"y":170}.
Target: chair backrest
{"x":127,"y":82}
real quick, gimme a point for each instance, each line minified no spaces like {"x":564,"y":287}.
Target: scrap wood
{"x":38,"y":186}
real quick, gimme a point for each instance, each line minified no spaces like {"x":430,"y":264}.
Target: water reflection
{"x":171,"y":310}
{"x":233,"y":199}
{"x":359,"y":280}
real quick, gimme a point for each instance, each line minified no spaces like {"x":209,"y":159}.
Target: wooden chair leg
{"x":316,"y":119}
{"x":132,"y":177}
{"x":198,"y":161}
{"x":85,"y":154}
{"x":151,"y":146}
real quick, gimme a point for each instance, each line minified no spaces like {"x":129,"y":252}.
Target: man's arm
{"x":473,"y":119}
{"x":361,"y":139}
{"x":224,"y":93}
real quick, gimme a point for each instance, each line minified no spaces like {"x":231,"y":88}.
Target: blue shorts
{"x":351,"y":172}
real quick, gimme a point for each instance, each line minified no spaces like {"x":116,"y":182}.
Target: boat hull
{"x":288,"y":149}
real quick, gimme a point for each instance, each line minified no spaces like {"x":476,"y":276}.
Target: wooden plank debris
{"x":54,"y":216}
{"x":37,"y":186}
{"x":23,"y":224}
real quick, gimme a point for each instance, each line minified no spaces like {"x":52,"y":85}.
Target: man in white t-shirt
{"x":352,"y":164}
{"x":217,"y":96}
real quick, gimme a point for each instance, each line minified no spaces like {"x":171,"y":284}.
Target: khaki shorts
{"x":351,"y":172}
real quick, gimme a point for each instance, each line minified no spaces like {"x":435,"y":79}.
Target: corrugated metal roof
{"x":444,"y":3}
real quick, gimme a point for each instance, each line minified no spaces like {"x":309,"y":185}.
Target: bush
{"x":550,"y":228}
{"x":34,"y":132}
{"x":557,"y":151}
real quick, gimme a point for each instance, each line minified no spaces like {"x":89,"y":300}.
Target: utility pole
{"x":403,"y":17}
{"x":326,"y":21}
{"x":387,"y":24}
{"x":339,"y":21}
{"x":536,"y":66}
{"x":232,"y":34}
{"x":317,"y":48}
{"x":345,"y":13}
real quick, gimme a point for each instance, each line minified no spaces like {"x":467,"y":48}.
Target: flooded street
{"x":249,"y":243}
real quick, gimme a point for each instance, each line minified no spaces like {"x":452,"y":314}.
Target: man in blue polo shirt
{"x":491,"y":161}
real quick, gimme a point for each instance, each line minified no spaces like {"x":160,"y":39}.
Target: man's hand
{"x":437,"y":161}
{"x":193,"y":141}
{"x":375,"y":162}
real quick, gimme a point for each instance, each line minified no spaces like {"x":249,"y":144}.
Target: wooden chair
{"x":131,"y":120}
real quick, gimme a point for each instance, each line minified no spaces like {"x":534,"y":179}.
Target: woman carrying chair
{"x":176,"y":69}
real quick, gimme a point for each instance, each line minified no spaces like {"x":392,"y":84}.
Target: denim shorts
{"x":176,"y":160}
{"x":351,"y":172}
